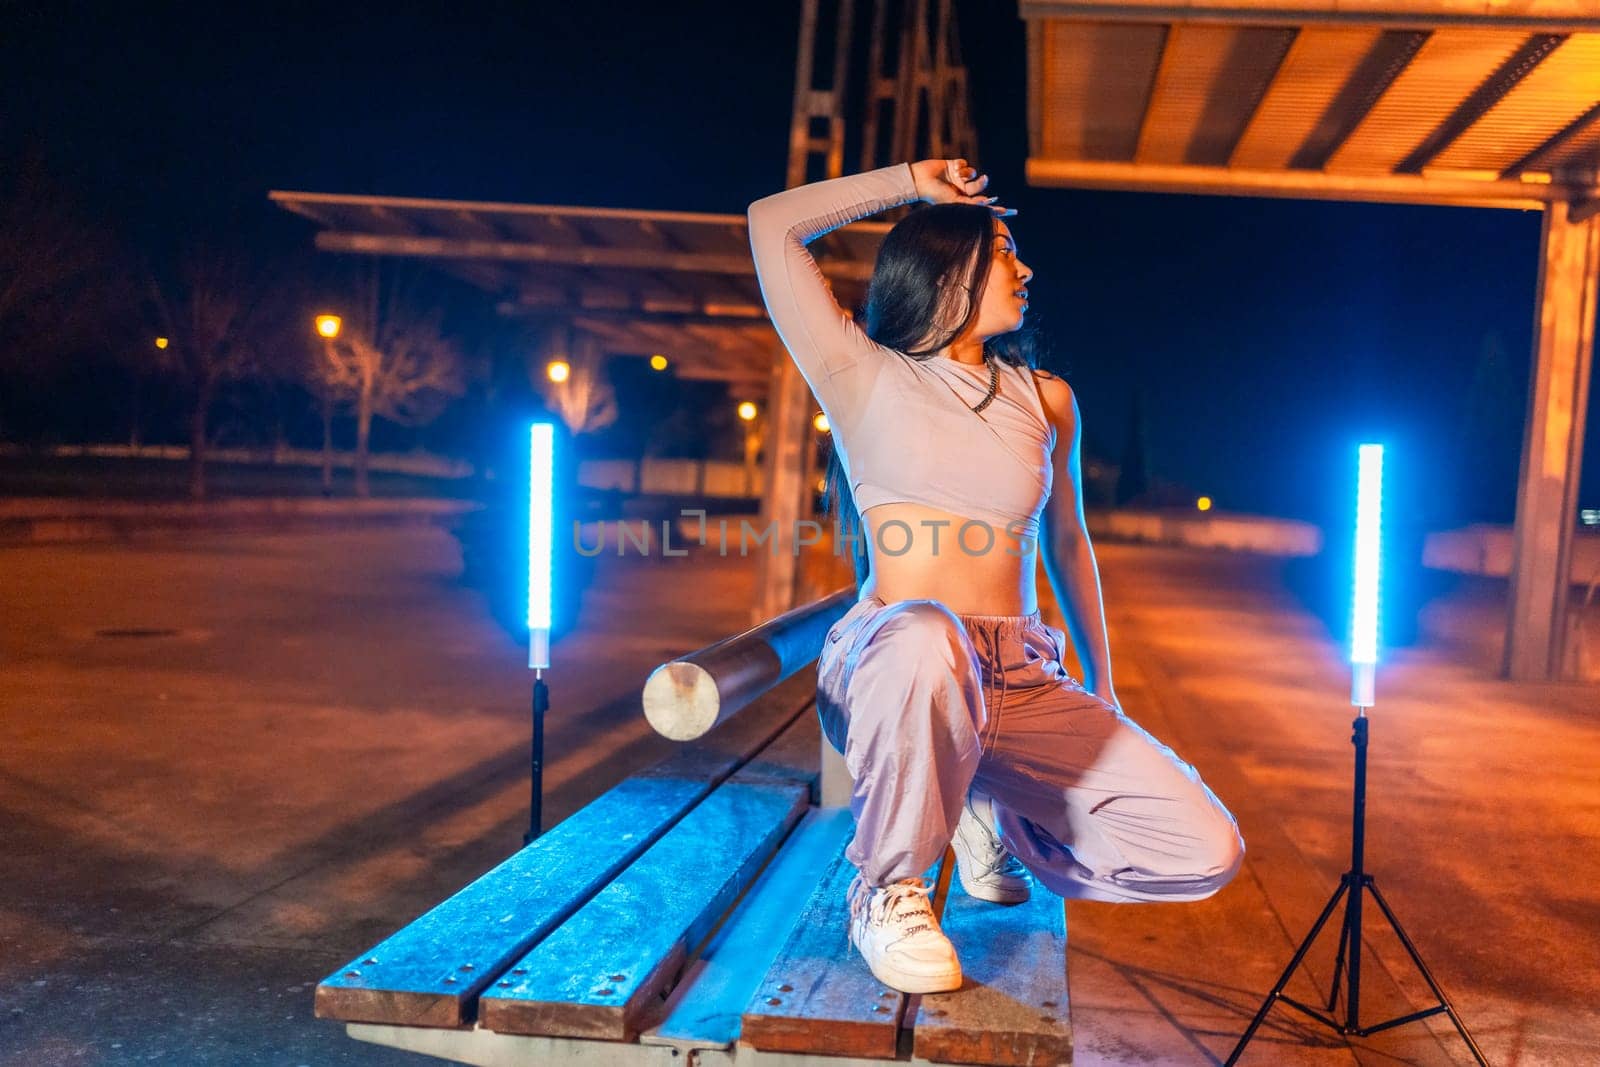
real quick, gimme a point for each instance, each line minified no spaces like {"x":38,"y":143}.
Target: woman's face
{"x":1004,"y":303}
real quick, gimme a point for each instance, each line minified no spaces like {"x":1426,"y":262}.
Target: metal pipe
{"x":686,"y":697}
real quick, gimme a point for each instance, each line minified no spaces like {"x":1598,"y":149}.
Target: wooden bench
{"x":696,"y":913}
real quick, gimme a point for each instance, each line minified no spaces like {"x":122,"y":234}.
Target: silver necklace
{"x":994,"y":383}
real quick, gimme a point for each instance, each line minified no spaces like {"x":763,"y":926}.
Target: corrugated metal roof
{"x":1429,"y":101}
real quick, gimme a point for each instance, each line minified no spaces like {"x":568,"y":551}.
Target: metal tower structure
{"x":914,"y":101}
{"x":908,"y":93}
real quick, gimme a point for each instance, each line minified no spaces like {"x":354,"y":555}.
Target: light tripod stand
{"x":1347,"y":964}
{"x":1356,"y":881}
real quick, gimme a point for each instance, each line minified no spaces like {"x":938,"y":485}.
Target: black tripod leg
{"x":1300,"y":953}
{"x":1338,"y":961}
{"x":1427,"y":975}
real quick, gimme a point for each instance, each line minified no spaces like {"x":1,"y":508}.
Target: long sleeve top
{"x":903,"y":426}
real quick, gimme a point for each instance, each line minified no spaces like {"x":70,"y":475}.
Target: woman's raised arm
{"x":834,"y":354}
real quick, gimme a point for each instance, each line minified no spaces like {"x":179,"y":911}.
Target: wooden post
{"x":1552,"y":446}
{"x":783,"y":502}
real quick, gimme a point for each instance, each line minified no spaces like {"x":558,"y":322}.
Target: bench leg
{"x":484,"y":1048}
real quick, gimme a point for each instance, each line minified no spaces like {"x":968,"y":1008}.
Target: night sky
{"x":1263,"y":337}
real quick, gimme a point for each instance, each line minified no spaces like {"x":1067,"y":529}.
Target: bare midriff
{"x":997,"y":580}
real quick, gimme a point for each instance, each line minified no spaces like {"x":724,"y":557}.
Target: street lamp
{"x":752,"y":443}
{"x":328,"y":328}
{"x":558,"y":370}
{"x":820,"y":421}
{"x":162,"y":342}
{"x":658,"y":362}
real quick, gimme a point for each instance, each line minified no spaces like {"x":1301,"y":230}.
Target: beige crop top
{"x":904,"y":427}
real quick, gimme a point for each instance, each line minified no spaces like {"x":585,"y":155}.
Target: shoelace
{"x":1004,"y":862}
{"x":903,"y":900}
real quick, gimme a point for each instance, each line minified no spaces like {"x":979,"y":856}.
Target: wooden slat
{"x":818,"y":995}
{"x":704,"y":1012}
{"x":609,"y":964}
{"x":1095,"y":86}
{"x":1320,"y":61}
{"x":1419,"y":108}
{"x":430,"y":972}
{"x":1012,"y":1005}
{"x":1210,"y":81}
{"x":1492,"y":89}
{"x":1560,"y":89}
{"x":1384,"y":62}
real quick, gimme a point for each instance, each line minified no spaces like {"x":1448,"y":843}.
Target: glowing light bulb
{"x":1364,"y":607}
{"x":541,"y":487}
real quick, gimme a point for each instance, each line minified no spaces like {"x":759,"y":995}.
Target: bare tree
{"x":209,"y":310}
{"x":48,"y":254}
{"x":390,"y":360}
{"x":585,"y":400}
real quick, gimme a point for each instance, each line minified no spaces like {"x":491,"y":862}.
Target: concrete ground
{"x":1483,"y":809}
{"x":230,"y":762}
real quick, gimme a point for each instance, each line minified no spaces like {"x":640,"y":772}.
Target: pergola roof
{"x":675,"y":282}
{"x":1479,"y":102}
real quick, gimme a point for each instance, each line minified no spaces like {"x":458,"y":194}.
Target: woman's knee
{"x":922,"y":631}
{"x":1220,"y":853}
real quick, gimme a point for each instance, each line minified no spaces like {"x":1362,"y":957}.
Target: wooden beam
{"x":783,"y":503}
{"x":1552,"y":448}
{"x":731,"y":319}
{"x":1548,"y":16}
{"x":557,"y":255}
{"x":294,"y":200}
{"x":1311,"y":185}
{"x":685,"y":697}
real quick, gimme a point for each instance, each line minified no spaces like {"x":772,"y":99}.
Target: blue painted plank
{"x":707,"y":1013}
{"x":1012,"y":1007}
{"x":614,"y":960}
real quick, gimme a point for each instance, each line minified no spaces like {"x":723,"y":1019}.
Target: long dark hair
{"x":924,"y":293}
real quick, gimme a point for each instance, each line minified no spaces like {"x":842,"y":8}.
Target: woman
{"x":942,"y":686}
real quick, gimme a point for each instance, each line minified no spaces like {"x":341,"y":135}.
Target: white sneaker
{"x":897,"y":933}
{"x":987,"y":870}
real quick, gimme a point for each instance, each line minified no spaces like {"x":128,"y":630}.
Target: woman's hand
{"x":952,"y":181}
